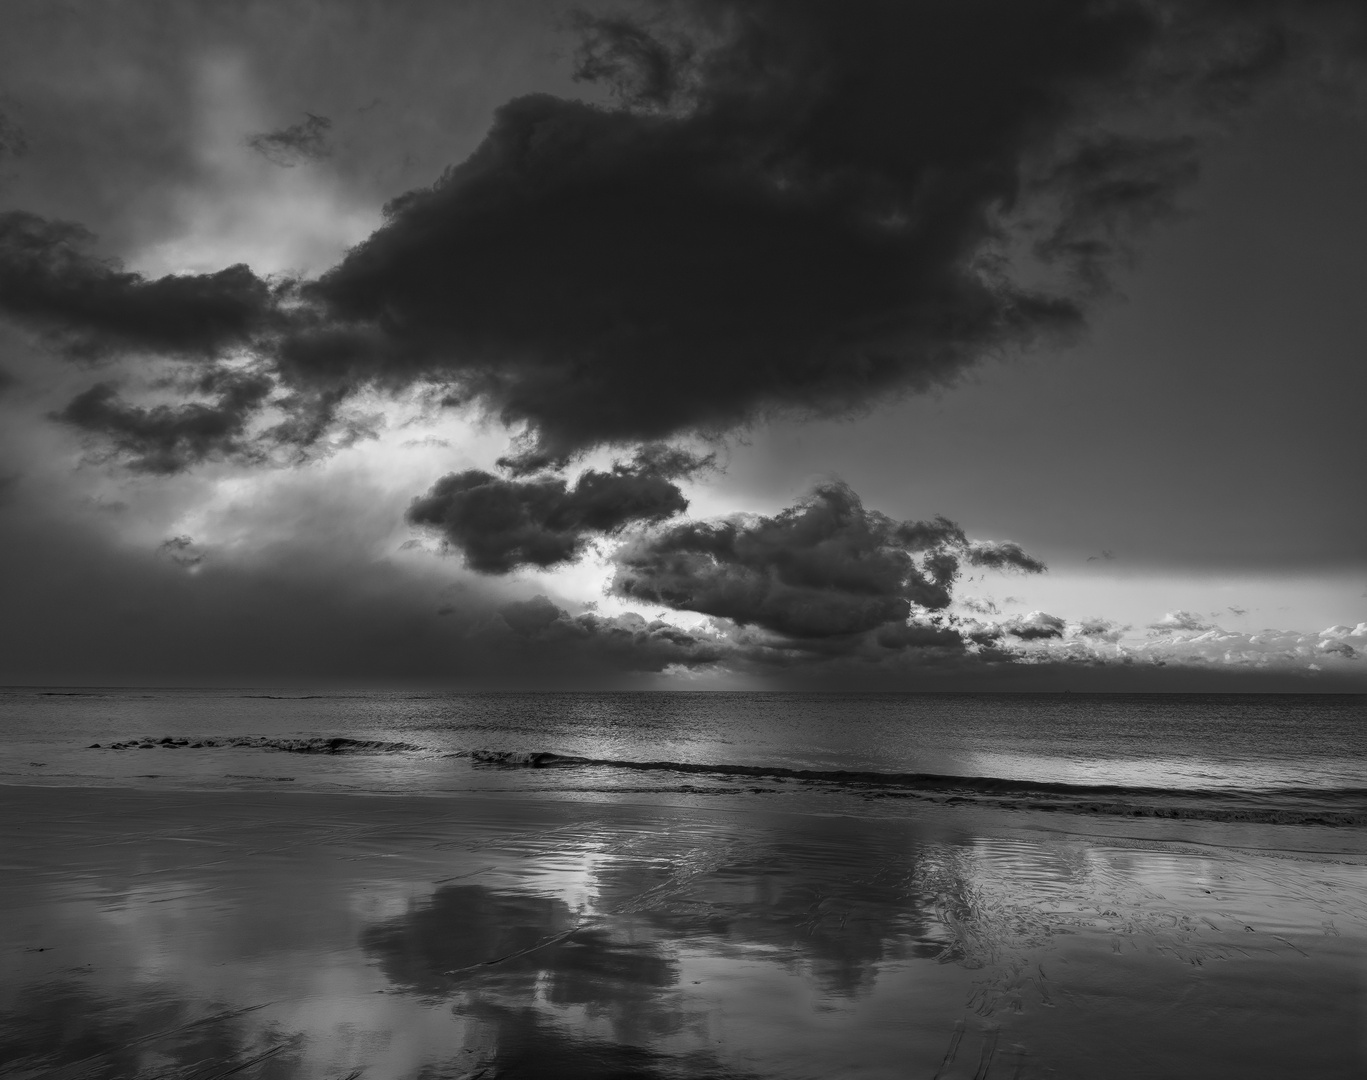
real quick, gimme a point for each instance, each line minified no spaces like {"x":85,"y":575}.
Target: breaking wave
{"x":1279,"y":806}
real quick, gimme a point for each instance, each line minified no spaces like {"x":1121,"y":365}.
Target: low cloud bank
{"x":829,"y":585}
{"x":1180,"y":639}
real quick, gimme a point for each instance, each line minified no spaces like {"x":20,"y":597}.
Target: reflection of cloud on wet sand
{"x":636,"y":981}
{"x":517,"y":944}
{"x":62,"y":1029}
{"x":507,"y":956}
{"x":528,"y":1045}
{"x":830,"y":901}
{"x":795,"y":943}
{"x":409,"y":941}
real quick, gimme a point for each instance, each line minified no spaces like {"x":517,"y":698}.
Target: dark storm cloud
{"x":296,"y":144}
{"x":500,"y":524}
{"x":807,"y":209}
{"x":823,"y":585}
{"x":51,"y":282}
{"x":170,"y":438}
{"x":800,"y":232}
{"x":801,"y":205}
{"x":825,"y":568}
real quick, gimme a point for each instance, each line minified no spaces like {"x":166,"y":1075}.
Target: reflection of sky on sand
{"x":435,"y":938}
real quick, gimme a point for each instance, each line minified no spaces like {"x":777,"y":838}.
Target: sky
{"x":968,"y":345}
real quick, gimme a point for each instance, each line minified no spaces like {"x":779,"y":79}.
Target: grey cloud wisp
{"x":799,"y":205}
{"x":296,"y":144}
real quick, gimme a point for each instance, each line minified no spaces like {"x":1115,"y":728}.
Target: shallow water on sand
{"x":275,"y":934}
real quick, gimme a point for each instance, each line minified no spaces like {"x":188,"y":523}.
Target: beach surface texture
{"x":388,"y":886}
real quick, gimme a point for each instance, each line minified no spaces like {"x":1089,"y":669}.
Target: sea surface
{"x":1273,"y":758}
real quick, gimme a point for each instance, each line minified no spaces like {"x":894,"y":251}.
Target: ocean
{"x":1293,"y":759}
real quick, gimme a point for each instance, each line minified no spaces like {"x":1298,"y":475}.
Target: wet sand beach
{"x":306,"y":934}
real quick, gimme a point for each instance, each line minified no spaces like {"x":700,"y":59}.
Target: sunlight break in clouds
{"x":242,"y":207}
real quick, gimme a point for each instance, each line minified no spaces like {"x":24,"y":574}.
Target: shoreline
{"x":1342,"y":842}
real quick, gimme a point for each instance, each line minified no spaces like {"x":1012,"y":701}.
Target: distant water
{"x":1270,"y":758}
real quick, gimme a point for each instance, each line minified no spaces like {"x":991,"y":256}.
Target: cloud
{"x":1345,"y":641}
{"x":826,"y":568}
{"x":780,"y":213}
{"x":979,"y":606}
{"x":804,"y":232}
{"x":501,"y":524}
{"x":50,"y":281}
{"x":789,"y":206}
{"x":182,"y":551}
{"x":1180,"y":620}
{"x":1203,"y":647}
{"x":1100,"y":630}
{"x":1005,"y":555}
{"x":1034,"y":626}
{"x":170,"y":438}
{"x":296,"y":144}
